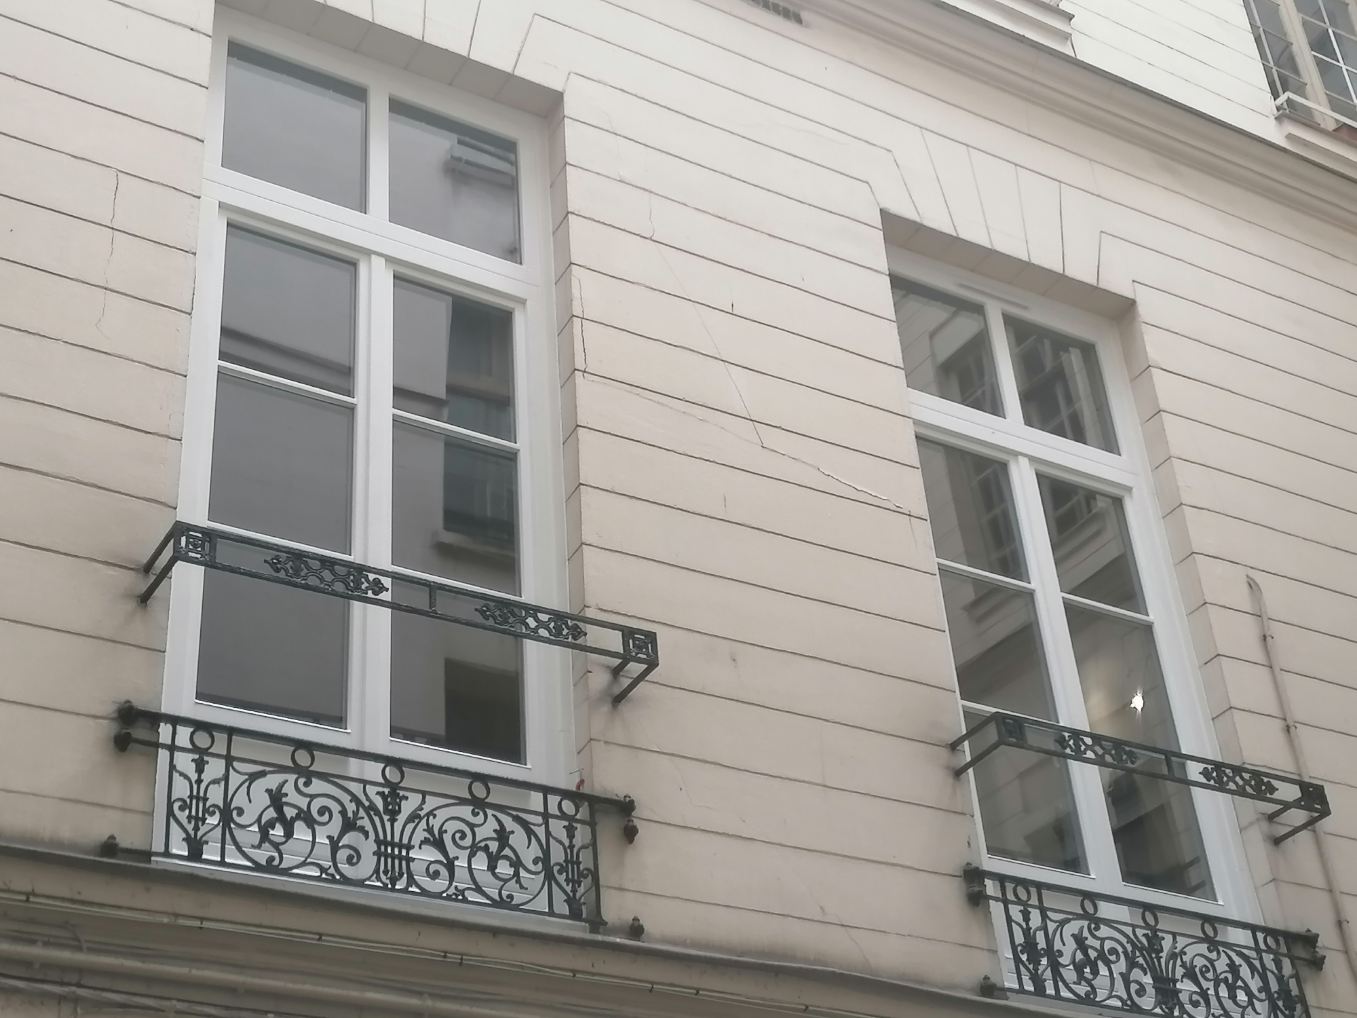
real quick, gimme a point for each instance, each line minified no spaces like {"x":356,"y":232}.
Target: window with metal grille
{"x":1309,"y":52}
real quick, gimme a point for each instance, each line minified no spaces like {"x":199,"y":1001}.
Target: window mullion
{"x":378,"y":154}
{"x":372,"y":478}
{"x":1305,"y":58}
{"x":1003,"y":363}
{"x":1066,"y":691}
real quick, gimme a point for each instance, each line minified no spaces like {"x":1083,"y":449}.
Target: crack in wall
{"x":108,"y":258}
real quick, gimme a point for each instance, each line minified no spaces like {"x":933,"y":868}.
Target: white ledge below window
{"x":1336,"y":148}
{"x":1040,"y":20}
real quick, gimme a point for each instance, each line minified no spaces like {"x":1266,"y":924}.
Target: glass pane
{"x":454,"y":182}
{"x":946,"y":346}
{"x":996,"y":646}
{"x":281,"y":464}
{"x":970,"y":509}
{"x":295,"y":127}
{"x":454,"y":360}
{"x":1154,"y":823}
{"x":1060,"y":385}
{"x":455,"y":509}
{"x":1091,"y":544}
{"x":454,"y":687}
{"x":267,"y":648}
{"x":288,"y":311}
{"x":1027,"y":808}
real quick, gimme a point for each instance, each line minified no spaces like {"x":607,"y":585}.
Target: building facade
{"x":678,"y":507}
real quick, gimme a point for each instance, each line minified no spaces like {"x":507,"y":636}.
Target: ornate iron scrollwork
{"x":1117,"y":954}
{"x":214,"y":548}
{"x":248,"y":801}
{"x":1001,"y":730}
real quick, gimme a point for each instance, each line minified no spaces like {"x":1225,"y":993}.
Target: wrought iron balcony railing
{"x":245,"y":800}
{"x":224,"y":551}
{"x":1117,"y":954}
{"x":1001,"y":730}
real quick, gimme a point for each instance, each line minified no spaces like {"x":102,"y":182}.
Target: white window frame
{"x":383,"y":250}
{"x":1126,"y":475}
{"x":1315,"y":106}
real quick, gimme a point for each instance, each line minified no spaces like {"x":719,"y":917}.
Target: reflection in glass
{"x":267,"y":648}
{"x":295,"y":127}
{"x":1027,"y":808}
{"x":281,"y":464}
{"x":996,"y":646}
{"x":455,"y":509}
{"x":970,"y":509}
{"x":454,"y":182}
{"x":453,"y":687}
{"x":1154,"y":823}
{"x":1091,"y":543}
{"x":1060,"y":385}
{"x":454,"y":360}
{"x":288,"y":311}
{"x":946,"y":347}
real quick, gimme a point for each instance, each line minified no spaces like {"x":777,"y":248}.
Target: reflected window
{"x":945,"y":344}
{"x":1060,"y":385}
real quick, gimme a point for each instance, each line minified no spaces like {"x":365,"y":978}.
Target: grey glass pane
{"x":1027,"y":808}
{"x":282,"y":464}
{"x":455,"y":509}
{"x":295,"y":127}
{"x":970,"y":509}
{"x":1060,"y":385}
{"x":454,"y":182}
{"x":946,"y":346}
{"x":1091,"y":543}
{"x":453,"y":687}
{"x":1154,"y":823}
{"x":267,"y":648}
{"x":454,"y":360}
{"x":996,"y":646}
{"x":288,"y":311}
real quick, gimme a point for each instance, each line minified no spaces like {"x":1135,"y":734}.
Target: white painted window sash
{"x":382,"y":252}
{"x":1126,"y":476}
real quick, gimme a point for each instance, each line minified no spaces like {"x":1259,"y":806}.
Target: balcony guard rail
{"x":227,"y":552}
{"x":1118,"y":954}
{"x":1277,"y":790}
{"x":247,"y":800}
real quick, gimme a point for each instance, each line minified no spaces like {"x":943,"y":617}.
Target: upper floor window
{"x":1057,"y":595}
{"x":370,"y":329}
{"x":1309,"y":52}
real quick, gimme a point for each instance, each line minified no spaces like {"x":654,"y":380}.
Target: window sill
{"x":1328,"y":148}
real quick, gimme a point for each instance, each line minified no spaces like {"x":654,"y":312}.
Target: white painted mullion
{"x":379,"y":152}
{"x":376,"y":483}
{"x":1066,"y":692}
{"x":1003,"y":364}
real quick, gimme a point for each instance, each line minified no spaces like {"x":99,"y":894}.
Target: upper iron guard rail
{"x":305,"y":570}
{"x":455,"y":835}
{"x":1046,"y":737}
{"x":1082,"y":948}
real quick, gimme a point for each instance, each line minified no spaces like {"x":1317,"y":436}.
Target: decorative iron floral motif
{"x":1088,"y":745}
{"x":326,"y":574}
{"x":250,"y":801}
{"x":1229,"y":778}
{"x":520,"y":618}
{"x":1114,"y":954}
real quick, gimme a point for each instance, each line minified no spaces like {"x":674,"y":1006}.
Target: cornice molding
{"x":937,"y":31}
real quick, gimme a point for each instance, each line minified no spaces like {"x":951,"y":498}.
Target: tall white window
{"x":1309,"y":51}
{"x":1056,"y":587}
{"x":372,"y":378}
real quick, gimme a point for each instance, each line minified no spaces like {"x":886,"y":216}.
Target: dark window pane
{"x":996,"y":646}
{"x":288,"y":311}
{"x":453,"y":687}
{"x":454,"y":360}
{"x":946,"y":346}
{"x":281,"y":464}
{"x":267,"y":648}
{"x":1060,"y":385}
{"x":1027,"y":808}
{"x":454,"y":182}
{"x":295,"y":127}
{"x":1091,"y":544}
{"x":455,"y":509}
{"x":1154,"y":823}
{"x":970,"y":509}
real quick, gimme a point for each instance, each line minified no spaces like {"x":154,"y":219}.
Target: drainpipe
{"x":1345,"y":934}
